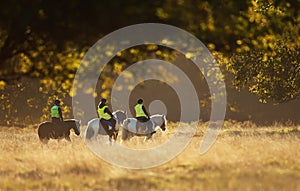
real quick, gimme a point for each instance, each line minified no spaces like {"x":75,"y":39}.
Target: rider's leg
{"x":105,"y":126}
{"x":113,"y":123}
{"x":113,"y":130}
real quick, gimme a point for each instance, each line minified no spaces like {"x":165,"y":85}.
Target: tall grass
{"x":244,"y":157}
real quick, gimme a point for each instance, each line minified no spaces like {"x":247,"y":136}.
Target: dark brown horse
{"x":48,"y":131}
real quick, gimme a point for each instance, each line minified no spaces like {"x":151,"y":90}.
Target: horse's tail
{"x":89,"y":132}
{"x":43,"y":133}
{"x":92,"y":128}
{"x":125,"y":123}
{"x":39,"y":131}
{"x":125,"y":129}
{"x":124,"y":134}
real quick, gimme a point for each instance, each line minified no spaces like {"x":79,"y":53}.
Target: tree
{"x":268,"y":63}
{"x":35,"y":32}
{"x":46,"y":39}
{"x":260,"y":37}
{"x":271,"y":75}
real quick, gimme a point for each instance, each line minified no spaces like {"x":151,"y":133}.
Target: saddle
{"x":57,"y":124}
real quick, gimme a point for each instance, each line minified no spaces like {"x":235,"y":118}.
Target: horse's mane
{"x":160,"y":115}
{"x":119,"y":111}
{"x":71,"y":120}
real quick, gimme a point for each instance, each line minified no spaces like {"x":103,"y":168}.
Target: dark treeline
{"x":256,"y":41}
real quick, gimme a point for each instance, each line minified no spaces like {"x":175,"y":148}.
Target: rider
{"x":140,"y":111}
{"x":105,"y":116}
{"x":141,"y":115}
{"x":56,"y":113}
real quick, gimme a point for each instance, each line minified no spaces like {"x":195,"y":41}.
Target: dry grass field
{"x":244,"y":157}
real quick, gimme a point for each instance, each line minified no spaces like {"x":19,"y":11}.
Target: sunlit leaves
{"x":272,"y":75}
{"x":161,"y":13}
{"x":267,"y":58}
{"x":38,"y":40}
{"x":2,"y":84}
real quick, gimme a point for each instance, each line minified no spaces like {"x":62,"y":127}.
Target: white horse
{"x":129,"y":127}
{"x":93,"y":128}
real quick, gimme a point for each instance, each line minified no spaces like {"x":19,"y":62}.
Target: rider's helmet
{"x":103,"y":100}
{"x":57,"y":102}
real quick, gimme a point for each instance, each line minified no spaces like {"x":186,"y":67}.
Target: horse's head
{"x":120,"y":116}
{"x":72,"y":124}
{"x":159,"y":120}
{"x":164,"y":123}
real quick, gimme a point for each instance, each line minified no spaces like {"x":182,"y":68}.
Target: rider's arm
{"x":98,"y":113}
{"x":60,"y":113}
{"x":144,"y":109}
{"x":106,"y":110}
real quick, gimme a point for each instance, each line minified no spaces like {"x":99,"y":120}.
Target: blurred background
{"x":255,"y":43}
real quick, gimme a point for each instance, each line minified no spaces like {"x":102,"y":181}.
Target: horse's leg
{"x":68,"y":138}
{"x":44,"y":140}
{"x":129,"y":135}
{"x":116,"y":134}
{"x":124,"y":134}
{"x":112,"y":136}
{"x":148,"y":137}
{"x":111,"y":140}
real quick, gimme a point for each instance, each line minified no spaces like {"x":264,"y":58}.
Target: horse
{"x":93,"y":128}
{"x":47,"y":130}
{"x":129,"y":127}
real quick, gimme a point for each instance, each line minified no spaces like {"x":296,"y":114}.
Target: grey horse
{"x":93,"y":128}
{"x":129,"y":127}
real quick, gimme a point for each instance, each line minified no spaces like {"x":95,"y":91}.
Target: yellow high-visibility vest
{"x":103,"y":115}
{"x":54,"y":112}
{"x":139,"y":112}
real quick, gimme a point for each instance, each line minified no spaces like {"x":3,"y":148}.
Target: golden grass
{"x":243,"y":158}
